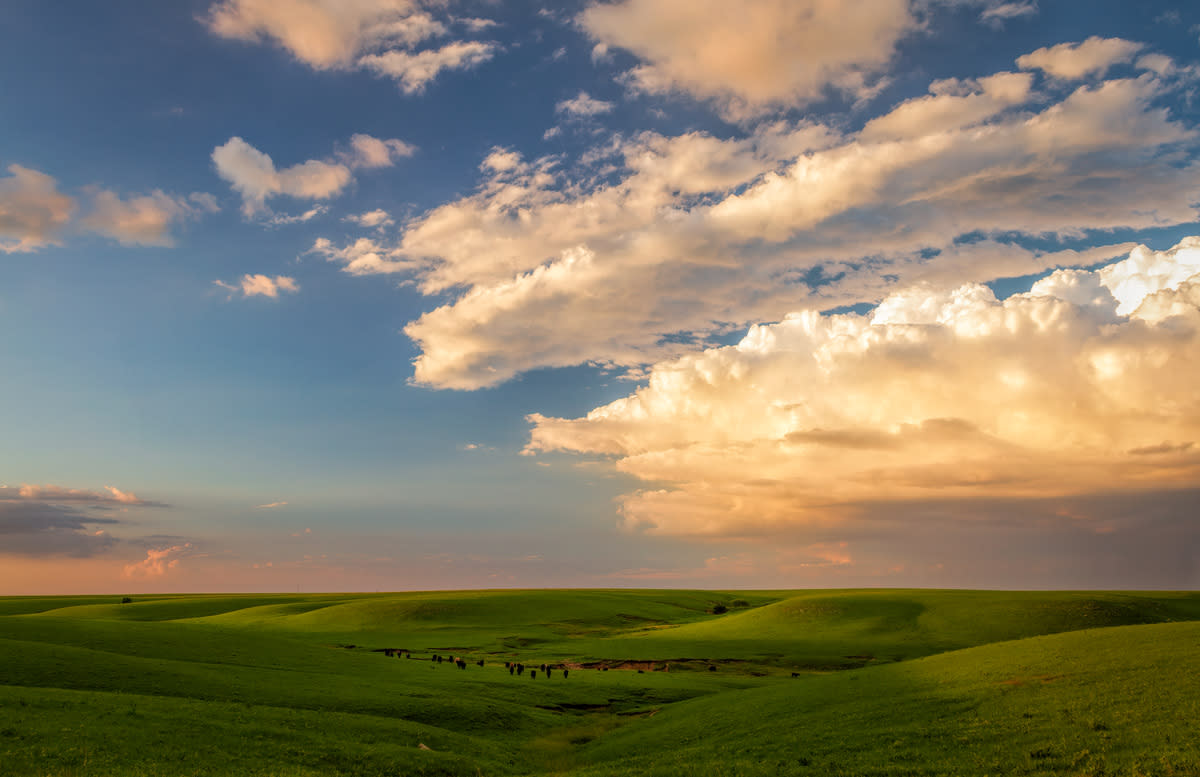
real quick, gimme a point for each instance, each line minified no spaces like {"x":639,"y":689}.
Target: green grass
{"x":929,"y":682}
{"x":1122,"y":700}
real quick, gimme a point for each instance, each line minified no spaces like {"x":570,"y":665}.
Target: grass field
{"x":873,"y":682}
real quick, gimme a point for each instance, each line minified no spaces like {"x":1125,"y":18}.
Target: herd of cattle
{"x":512,"y":667}
{"x":516,"y":669}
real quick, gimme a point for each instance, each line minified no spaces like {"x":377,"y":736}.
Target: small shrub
{"x":740,"y":603}
{"x":126,"y":600}
{"x":719,"y":609}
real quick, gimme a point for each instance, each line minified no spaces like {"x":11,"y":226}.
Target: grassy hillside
{"x":1121,"y":700}
{"x":269,"y":685}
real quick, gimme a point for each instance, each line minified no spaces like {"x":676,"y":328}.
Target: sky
{"x":358,"y":295}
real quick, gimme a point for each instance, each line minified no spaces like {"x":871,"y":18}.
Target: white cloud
{"x":477,"y":24}
{"x":143,"y":219}
{"x":583,"y":105}
{"x":1073,"y":61}
{"x":372,"y":219}
{"x":253,"y":174}
{"x":370,"y":152}
{"x":364,"y":256}
{"x":414,"y":70}
{"x":939,"y":393}
{"x":752,"y":56}
{"x":283,"y":219}
{"x":32,"y":210}
{"x":260,"y":286}
{"x":272,"y":506}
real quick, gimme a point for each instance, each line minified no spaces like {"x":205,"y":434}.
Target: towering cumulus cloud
{"x":1085,"y":383}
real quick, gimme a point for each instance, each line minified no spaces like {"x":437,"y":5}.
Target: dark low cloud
{"x":1127,"y":540}
{"x":30,"y":528}
{"x":49,"y":520}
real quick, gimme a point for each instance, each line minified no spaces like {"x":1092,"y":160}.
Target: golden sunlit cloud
{"x":769,"y":53}
{"x":684,"y":238}
{"x":158,"y":562}
{"x":258,"y":285}
{"x":1084,"y":383}
{"x":32,"y":210}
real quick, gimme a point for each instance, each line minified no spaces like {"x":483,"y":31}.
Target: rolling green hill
{"x":931,"y":682}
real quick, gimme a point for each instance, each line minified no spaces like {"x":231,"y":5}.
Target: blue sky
{"x":519,"y":297}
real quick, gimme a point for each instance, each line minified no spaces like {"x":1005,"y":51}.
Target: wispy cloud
{"x":372,"y":219}
{"x":1071,"y":61}
{"x":145,"y":219}
{"x":583,"y":105}
{"x":382,"y":36}
{"x":415,"y":70}
{"x":996,"y":13}
{"x":258,"y":285}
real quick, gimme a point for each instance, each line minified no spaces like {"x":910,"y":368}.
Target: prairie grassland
{"x":785,"y":682}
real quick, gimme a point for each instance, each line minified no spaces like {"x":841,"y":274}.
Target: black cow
{"x":564,"y":674}
{"x":512,"y":669}
{"x":479,"y":662}
{"x":532,"y":673}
